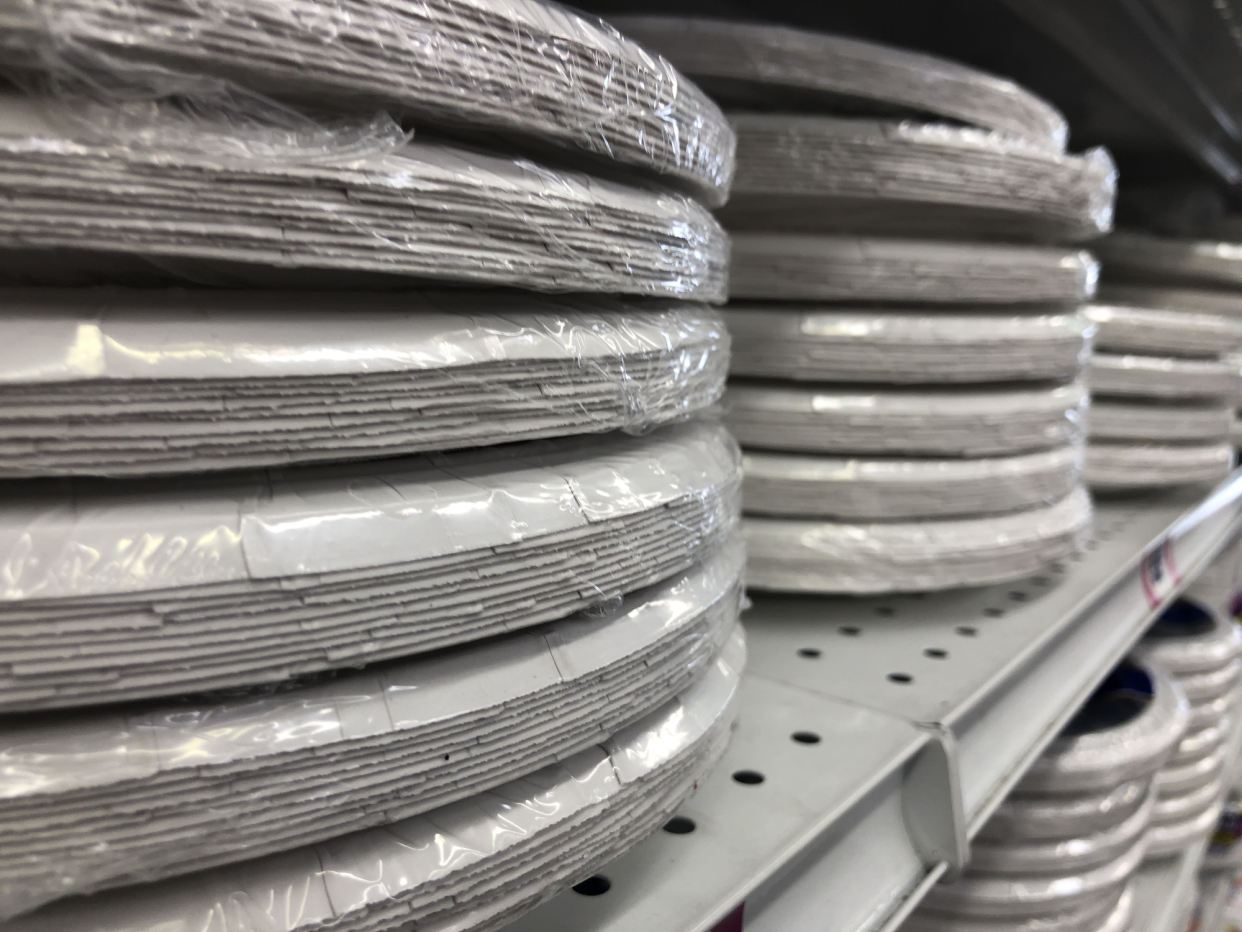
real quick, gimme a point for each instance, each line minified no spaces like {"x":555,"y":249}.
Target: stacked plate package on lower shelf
{"x":1060,"y":852}
{"x":1201,"y":650}
{"x":307,"y":584}
{"x":908,"y":348}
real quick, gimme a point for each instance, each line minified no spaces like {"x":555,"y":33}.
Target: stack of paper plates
{"x":854,"y":488}
{"x":1141,"y":257}
{"x":823,"y":174}
{"x":411,"y":209}
{"x":1202,"y":651}
{"x":1161,"y":297}
{"x":750,"y":63}
{"x":904,"y":421}
{"x":795,"y":267}
{"x":225,"y":780}
{"x":807,"y":555}
{"x":905,"y":346}
{"x":253,"y":579}
{"x":512,"y":847}
{"x":523,"y":69}
{"x":144,"y":382}
{"x":1060,"y":852}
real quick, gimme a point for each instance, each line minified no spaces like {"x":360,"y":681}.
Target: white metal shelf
{"x":928,"y":708}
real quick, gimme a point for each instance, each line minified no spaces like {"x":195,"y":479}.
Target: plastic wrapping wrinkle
{"x":1141,"y":258}
{"x":791,"y":485}
{"x":1157,"y":377}
{"x":820,"y":174}
{"x":801,"y":267}
{"x":1064,"y":816}
{"x":905,"y":421}
{"x":474,"y":864}
{"x":1109,"y":913}
{"x":1158,"y":331}
{"x":1081,"y":852}
{"x":899,"y":346}
{"x":124,"y":382}
{"x":129,"y":590}
{"x":1103,"y":757}
{"x":1032,"y":896}
{"x":749,"y":64}
{"x":523,"y":69}
{"x":1139,"y":465}
{"x":1131,"y":419}
{"x":808,"y":555}
{"x":422,"y":211}
{"x":226,"y":780}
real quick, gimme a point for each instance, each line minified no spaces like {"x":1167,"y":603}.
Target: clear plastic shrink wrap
{"x":526,"y":70}
{"x":906,"y":346}
{"x":924,"y":421}
{"x":142,"y":382}
{"x":1116,"y":466}
{"x":1110,"y":912}
{"x":799,"y":267}
{"x":78,"y":194}
{"x":774,"y":67}
{"x":808,"y":555}
{"x":471,"y":865}
{"x":820,"y":174}
{"x":170,"y":587}
{"x":221,"y":780}
{"x":882,"y":489}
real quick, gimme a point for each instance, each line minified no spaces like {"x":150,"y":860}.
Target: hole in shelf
{"x":810,"y":652}
{"x":966,"y":631}
{"x":805,"y":737}
{"x":886,"y":610}
{"x":992,"y":613}
{"x":900,"y":678}
{"x":1017,"y":596}
{"x":748,"y":777}
{"x":935,"y":653}
{"x":850,"y":630}
{"x":679,"y":825}
{"x":594,"y":886}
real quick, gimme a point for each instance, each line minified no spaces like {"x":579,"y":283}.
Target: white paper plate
{"x":412,"y":211}
{"x":1100,"y":758}
{"x":1164,"y":332}
{"x":1186,"y":778}
{"x":142,"y":382}
{"x":959,"y":422}
{"x":523,"y":69}
{"x":1163,"y":297}
{"x":809,"y":486}
{"x":1120,"y":465}
{"x":1064,"y":815}
{"x":746,"y":63}
{"x":787,"y":555}
{"x":1190,"y":638}
{"x":824,"y":174}
{"x":255,"y":578}
{"x":794,"y":267}
{"x":1134,"y":257}
{"x":1167,"y":840}
{"x":1132,"y":419}
{"x":1162,"y":377}
{"x":513,"y":846}
{"x":896,"y":346}
{"x":223,"y":780}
